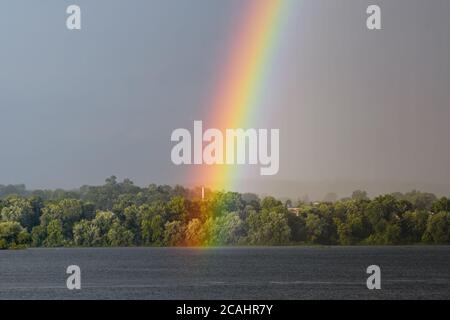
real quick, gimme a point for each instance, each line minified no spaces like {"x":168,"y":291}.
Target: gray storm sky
{"x":356,"y":108}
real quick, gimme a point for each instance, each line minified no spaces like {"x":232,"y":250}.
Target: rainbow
{"x":246,"y":74}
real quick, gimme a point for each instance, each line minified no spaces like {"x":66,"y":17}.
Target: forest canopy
{"x":123,"y":214}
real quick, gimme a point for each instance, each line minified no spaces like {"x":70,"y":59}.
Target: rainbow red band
{"x":245,"y":75}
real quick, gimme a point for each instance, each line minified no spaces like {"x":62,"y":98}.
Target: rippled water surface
{"x":227,"y":273}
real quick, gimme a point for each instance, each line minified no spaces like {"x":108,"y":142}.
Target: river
{"x":407,"y":272}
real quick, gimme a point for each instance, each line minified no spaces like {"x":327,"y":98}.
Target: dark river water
{"x":227,"y":273}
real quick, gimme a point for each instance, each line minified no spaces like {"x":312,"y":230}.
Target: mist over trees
{"x":122,"y":214}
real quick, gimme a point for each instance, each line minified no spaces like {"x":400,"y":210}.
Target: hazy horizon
{"x":297,"y":190}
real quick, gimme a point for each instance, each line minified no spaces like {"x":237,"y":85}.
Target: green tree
{"x":315,"y":228}
{"x":12,"y":234}
{"x":226,"y":202}
{"x":271,"y":204}
{"x":413,"y":226}
{"x":174,"y":232}
{"x":351,"y":222}
{"x":67,"y":211}
{"x":19,"y":210}
{"x":38,"y":236}
{"x":152,"y":230}
{"x":103,"y":222}
{"x":195,"y":233}
{"x":55,"y":237}
{"x":438,"y":228}
{"x":177,"y":209}
{"x":131,"y":221}
{"x":297,"y":225}
{"x":86,"y":234}
{"x":119,"y":236}
{"x":227,"y":229}
{"x":268,"y":228}
{"x":157,"y":229}
{"x":443,"y":204}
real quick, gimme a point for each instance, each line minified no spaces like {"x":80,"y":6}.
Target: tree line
{"x":123,"y":214}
